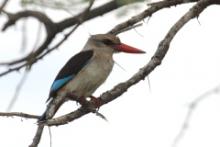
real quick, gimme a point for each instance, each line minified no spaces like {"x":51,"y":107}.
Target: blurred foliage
{"x":54,"y":4}
{"x":69,"y":5}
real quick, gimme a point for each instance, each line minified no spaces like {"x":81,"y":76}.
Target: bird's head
{"x":110,"y":43}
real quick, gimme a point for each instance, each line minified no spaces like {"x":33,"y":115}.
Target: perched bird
{"x":85,"y":71}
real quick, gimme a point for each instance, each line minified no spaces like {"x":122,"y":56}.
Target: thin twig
{"x":146,"y":13}
{"x":129,"y":28}
{"x":24,"y":36}
{"x":19,"y":114}
{"x":39,"y":32}
{"x":12,"y":69}
{"x":3,"y":5}
{"x":191,"y":109}
{"x":17,"y":90}
{"x":54,"y":28}
{"x":149,"y":83}
{"x":66,"y":36}
{"x":50,"y":134}
{"x":51,"y":28}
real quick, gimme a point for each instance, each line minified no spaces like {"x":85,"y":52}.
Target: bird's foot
{"x":90,"y":102}
{"x":95,"y":101}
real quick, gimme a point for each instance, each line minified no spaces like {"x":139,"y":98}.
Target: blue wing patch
{"x":60,"y":82}
{"x":69,"y":71}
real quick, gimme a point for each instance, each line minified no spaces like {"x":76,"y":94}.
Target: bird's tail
{"x":42,"y":117}
{"x":51,"y":109}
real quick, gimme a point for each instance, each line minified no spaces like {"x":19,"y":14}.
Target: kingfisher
{"x":86,"y":71}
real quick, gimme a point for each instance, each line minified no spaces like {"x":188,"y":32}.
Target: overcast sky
{"x":143,"y":116}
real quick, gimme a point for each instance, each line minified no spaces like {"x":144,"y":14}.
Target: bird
{"x":85,"y":71}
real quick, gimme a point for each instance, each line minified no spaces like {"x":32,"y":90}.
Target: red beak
{"x":128,"y":49}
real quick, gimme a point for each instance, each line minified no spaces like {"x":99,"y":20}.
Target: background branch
{"x":154,"y":7}
{"x":191,"y":109}
{"x":52,"y":29}
{"x":4,"y":3}
{"x":19,"y":114}
{"x":17,"y":90}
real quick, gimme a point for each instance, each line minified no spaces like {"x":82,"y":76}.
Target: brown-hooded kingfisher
{"x":87,"y":70}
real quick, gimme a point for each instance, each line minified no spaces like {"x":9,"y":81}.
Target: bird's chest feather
{"x":99,"y":68}
{"x":91,"y":76}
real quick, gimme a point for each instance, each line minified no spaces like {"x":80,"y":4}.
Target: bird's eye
{"x":107,"y":42}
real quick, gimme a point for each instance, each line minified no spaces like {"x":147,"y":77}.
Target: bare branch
{"x":192,"y":106}
{"x":49,"y":25}
{"x":19,"y":114}
{"x":37,"y":136}
{"x":99,"y":11}
{"x":34,"y":60}
{"x":147,"y":13}
{"x":3,"y":5}
{"x":24,"y":36}
{"x":17,"y":68}
{"x":13,"y":18}
{"x":17,"y":90}
{"x":129,"y":28}
{"x":52,"y":30}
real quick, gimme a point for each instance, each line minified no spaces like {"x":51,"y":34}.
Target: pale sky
{"x":141,"y":117}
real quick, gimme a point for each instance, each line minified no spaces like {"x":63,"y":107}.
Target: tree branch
{"x":37,"y":136}
{"x":99,"y":11}
{"x":191,"y":108}
{"x":52,"y":30}
{"x":3,"y":5}
{"x":19,"y":114}
{"x":50,"y":26}
{"x":154,"y":7}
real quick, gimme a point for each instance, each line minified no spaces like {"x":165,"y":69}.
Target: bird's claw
{"x":96,"y":102}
